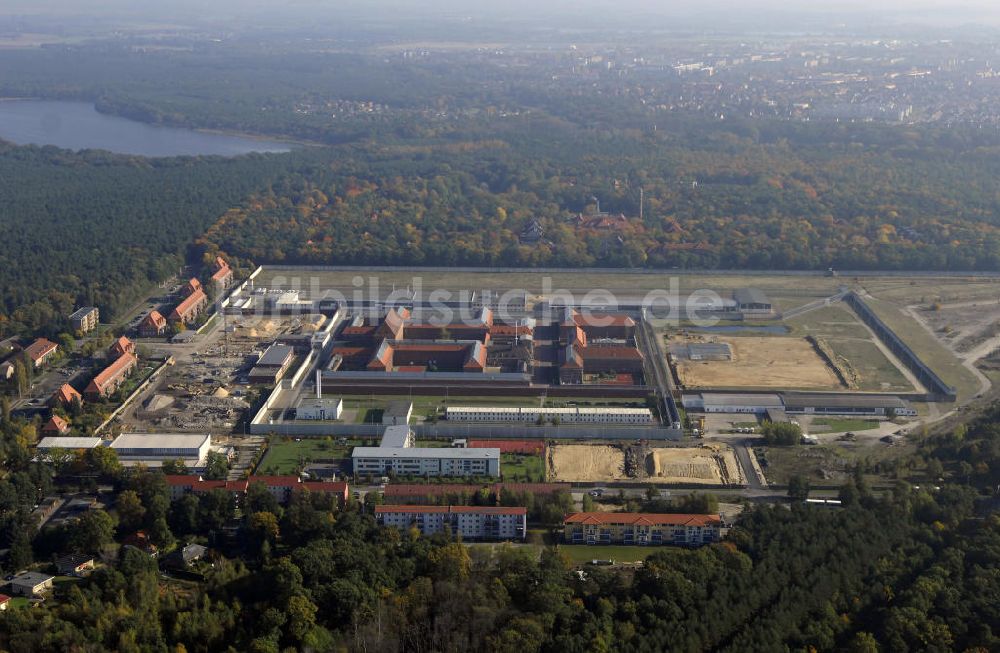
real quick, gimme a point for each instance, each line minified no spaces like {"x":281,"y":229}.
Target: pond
{"x":78,"y":126}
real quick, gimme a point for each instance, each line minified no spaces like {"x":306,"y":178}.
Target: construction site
{"x":712,"y":465}
{"x":755,"y":361}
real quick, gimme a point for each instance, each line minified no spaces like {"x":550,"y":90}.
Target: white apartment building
{"x":471,"y":522}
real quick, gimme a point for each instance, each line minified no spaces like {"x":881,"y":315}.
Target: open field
{"x":874,"y":371}
{"x":584,"y":553}
{"x":826,"y":464}
{"x":834,"y":321}
{"x":761,"y":362}
{"x":522,"y":468}
{"x":285,"y":457}
{"x":931,"y":351}
{"x":714,"y":465}
{"x":626,"y":282}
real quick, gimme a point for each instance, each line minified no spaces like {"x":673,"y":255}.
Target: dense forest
{"x":715,"y":196}
{"x":96,"y":228}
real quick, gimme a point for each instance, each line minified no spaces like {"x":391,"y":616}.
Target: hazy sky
{"x":552,"y":12}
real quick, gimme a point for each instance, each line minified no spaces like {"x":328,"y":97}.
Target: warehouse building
{"x":471,"y":522}
{"x":46,"y":445}
{"x":715,"y":402}
{"x":568,"y":415}
{"x":272,"y":365}
{"x":152,"y":449}
{"x":806,"y":403}
{"x":396,"y":454}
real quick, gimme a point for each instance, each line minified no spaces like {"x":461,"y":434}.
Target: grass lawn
{"x":521,"y":468}
{"x":18,"y":602}
{"x":583,"y":553}
{"x":285,"y":456}
{"x":876,"y":372}
{"x":928,"y":348}
{"x":834,"y":321}
{"x":846,"y":424}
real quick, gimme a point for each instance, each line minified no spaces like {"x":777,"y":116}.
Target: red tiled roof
{"x":66,"y":394}
{"x":489,"y":510}
{"x":642,"y":519}
{"x":55,"y":424}
{"x":189,"y":303}
{"x":39,"y":349}
{"x":121,"y":365}
{"x":193,"y":285}
{"x":624,"y":353}
{"x":122,"y":346}
{"x":4,"y":598}
{"x":154,"y":319}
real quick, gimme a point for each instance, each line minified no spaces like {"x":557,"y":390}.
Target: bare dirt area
{"x":709,"y":465}
{"x":759,"y":362}
{"x":962,"y":326}
{"x":581,"y":462}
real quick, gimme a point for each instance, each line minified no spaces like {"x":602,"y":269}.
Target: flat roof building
{"x":471,"y":522}
{"x":154,"y":448}
{"x":720,"y":402}
{"x":319,"y":408}
{"x":85,"y":319}
{"x":273,"y":364}
{"x":397,"y":412}
{"x":68,"y":443}
{"x":398,"y":456}
{"x":566,"y":415}
{"x":31,"y":583}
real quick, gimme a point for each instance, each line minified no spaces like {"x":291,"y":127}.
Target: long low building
{"x":807,"y":403}
{"x":642,"y":528}
{"x":426,"y":461}
{"x":567,"y":415}
{"x":153,"y":449}
{"x":68,"y":443}
{"x":471,"y":522}
{"x":396,"y":454}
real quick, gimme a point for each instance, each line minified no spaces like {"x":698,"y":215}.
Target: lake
{"x":78,"y":126}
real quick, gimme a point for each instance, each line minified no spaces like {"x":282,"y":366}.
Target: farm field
{"x":761,"y":362}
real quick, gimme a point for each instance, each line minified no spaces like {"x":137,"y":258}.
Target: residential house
{"x":607,"y":528}
{"x":111,"y":378}
{"x":55,"y":427}
{"x":65,"y":396}
{"x":121,"y":347}
{"x":85,"y":319}
{"x":188,"y":310}
{"x":75,"y":564}
{"x":223,"y":276}
{"x":31,"y":584}
{"x":153,"y":325}
{"x":41,"y":351}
